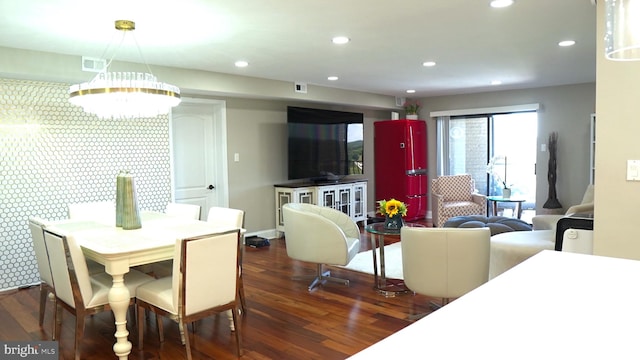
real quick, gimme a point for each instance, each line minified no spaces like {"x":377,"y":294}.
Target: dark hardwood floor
{"x":283,"y":321}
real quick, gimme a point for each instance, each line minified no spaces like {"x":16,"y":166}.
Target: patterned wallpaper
{"x":53,"y":154}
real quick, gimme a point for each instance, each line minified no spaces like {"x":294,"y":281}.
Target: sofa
{"x":511,"y":248}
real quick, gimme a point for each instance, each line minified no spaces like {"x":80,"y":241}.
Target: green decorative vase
{"x":393,"y":222}
{"x":127,"y":214}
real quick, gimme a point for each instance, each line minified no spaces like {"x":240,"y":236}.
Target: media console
{"x":348,"y":196}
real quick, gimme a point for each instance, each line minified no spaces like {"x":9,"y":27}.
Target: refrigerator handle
{"x":417,"y":172}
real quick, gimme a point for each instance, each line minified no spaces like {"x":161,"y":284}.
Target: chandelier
{"x":622,"y":37}
{"x":125,"y":95}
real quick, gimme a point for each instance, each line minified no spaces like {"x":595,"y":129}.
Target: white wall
{"x":617,"y":132}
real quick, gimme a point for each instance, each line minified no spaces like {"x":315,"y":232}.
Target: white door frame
{"x":219,"y":109}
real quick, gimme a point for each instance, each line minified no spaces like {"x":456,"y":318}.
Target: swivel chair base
{"x":321,"y":278}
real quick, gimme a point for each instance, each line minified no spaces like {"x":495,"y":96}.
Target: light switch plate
{"x":633,"y":170}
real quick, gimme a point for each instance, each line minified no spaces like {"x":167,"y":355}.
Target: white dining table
{"x":554,"y":305}
{"x":118,"y":250}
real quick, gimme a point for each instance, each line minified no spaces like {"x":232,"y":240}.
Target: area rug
{"x":363,"y":262}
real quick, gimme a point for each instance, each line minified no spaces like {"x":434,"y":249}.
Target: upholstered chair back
{"x":187,"y":211}
{"x":454,"y":187}
{"x":207,"y":274}
{"x":37,"y":225}
{"x":99,"y":211}
{"x":226,"y":216}
{"x":445,"y":262}
{"x":68,"y":266}
{"x":320,"y":234}
{"x":454,"y":195}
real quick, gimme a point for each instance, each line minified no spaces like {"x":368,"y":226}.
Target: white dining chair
{"x":178,"y":210}
{"x":36,"y":226}
{"x":47,"y":289}
{"x":76,"y":290}
{"x":204,"y":281}
{"x":99,"y":211}
{"x":186,"y":211}
{"x":234,"y":218}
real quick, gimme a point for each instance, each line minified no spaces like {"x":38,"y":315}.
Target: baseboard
{"x":267,"y":234}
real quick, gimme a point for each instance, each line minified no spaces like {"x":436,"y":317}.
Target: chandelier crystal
{"x":125,"y":94}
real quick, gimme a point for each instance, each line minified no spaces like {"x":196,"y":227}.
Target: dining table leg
{"x":119,"y":298}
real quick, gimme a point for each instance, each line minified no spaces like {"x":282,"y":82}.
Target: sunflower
{"x":392,"y":207}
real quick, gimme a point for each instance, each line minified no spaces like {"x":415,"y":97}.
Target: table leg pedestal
{"x":119,"y":298}
{"x":386,"y":287}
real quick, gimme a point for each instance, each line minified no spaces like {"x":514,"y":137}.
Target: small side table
{"x":493,"y":205}
{"x":387,"y":287}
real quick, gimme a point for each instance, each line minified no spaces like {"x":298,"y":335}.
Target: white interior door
{"x":198,"y":138}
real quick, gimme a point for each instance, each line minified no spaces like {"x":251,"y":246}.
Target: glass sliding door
{"x":466,"y":144}
{"x":514,"y":138}
{"x":468,"y":147}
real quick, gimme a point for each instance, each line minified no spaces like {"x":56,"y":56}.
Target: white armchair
{"x":548,"y":221}
{"x":444,"y":262}
{"x":320,"y":235}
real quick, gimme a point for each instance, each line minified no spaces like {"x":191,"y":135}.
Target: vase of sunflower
{"x":393,"y":211}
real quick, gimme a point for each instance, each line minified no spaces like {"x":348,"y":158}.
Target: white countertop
{"x":555,"y":305}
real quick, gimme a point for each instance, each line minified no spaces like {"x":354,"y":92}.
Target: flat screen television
{"x":324,"y":145}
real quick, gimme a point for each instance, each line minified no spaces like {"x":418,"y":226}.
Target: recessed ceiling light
{"x":496,"y":82}
{"x":429,"y":63}
{"x":340,"y":40}
{"x":410,"y":91}
{"x":565,"y":43}
{"x":332,"y":78}
{"x":241,"y":63}
{"x":501,"y":3}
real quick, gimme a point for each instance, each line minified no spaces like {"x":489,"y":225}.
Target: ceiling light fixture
{"x":501,"y":3}
{"x":565,"y":43}
{"x":125,"y":94}
{"x":340,"y":40}
{"x":241,"y":63}
{"x":411,"y":91}
{"x":332,"y":78}
{"x":622,"y":36}
{"x":496,"y":82}
{"x":429,"y":63}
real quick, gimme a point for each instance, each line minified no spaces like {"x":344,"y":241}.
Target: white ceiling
{"x":290,"y":40}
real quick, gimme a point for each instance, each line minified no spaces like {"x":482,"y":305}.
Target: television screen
{"x":324,"y":145}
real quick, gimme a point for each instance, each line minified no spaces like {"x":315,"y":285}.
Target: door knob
{"x":211,"y":187}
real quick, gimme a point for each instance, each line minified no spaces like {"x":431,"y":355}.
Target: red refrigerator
{"x":400,"y":151}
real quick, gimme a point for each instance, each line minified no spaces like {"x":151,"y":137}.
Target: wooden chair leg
{"x":185,"y":338}
{"x":182,"y":326}
{"x":141,"y":313}
{"x":55,"y":316}
{"x":160,"y":327}
{"x":243,"y":305}
{"x":238,"y":335}
{"x":58,"y":322}
{"x":43,"y":302}
{"x":79,"y":334}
